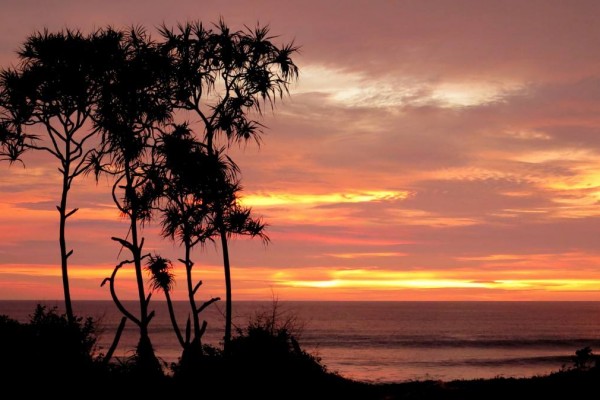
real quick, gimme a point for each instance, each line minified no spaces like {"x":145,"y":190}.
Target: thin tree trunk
{"x":116,"y":340}
{"x":188,"y":268}
{"x":62,"y":210}
{"x":228,"y":308}
{"x":226,"y":265}
{"x":173,"y":320}
{"x":137,"y":256}
{"x":145,"y":351}
{"x":137,"y":262}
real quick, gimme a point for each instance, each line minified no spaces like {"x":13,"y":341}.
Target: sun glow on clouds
{"x":576,"y":196}
{"x":366,"y":255}
{"x":352,"y":89}
{"x":572,"y":191}
{"x":326,"y":282}
{"x":98,"y":272}
{"x":307,"y":208}
{"x":279,"y":199}
{"x":378,"y":279}
{"x":587,"y":179}
{"x":465,"y":94}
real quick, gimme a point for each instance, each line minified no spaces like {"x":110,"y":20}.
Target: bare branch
{"x":196,"y":287}
{"x":115,"y":342}
{"x":115,"y":298}
{"x":188,"y":330}
{"x":203,"y":329}
{"x":73,"y":211}
{"x":207,"y":303}
{"x":123,"y":243}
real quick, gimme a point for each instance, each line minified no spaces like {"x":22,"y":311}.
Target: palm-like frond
{"x":250,"y":69}
{"x":239,"y":221}
{"x":198,"y":184}
{"x":134,"y":96}
{"x":161,"y":273}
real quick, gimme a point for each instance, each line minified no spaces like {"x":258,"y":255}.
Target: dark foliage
{"x":48,"y":347}
{"x":264,"y":361}
{"x":48,"y":356}
{"x":585,"y":359}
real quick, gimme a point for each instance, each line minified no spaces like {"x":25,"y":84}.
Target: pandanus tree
{"x":46,"y":104}
{"x":195,"y":181}
{"x":162,"y":278}
{"x":132,"y":107}
{"x":15,"y":111}
{"x":186,"y":209}
{"x":226,"y":78}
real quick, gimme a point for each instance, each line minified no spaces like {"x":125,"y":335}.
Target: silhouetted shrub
{"x":269,"y":345}
{"x":264,"y":361}
{"x":47,"y":347}
{"x":584,"y":359}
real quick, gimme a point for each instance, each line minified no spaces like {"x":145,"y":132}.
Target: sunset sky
{"x":431,"y":150}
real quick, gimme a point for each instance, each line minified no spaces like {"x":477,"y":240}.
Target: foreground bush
{"x":264,"y":361}
{"x":47,"y":346}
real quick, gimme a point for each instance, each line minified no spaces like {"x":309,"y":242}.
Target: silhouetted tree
{"x":52,"y":92}
{"x":126,"y":87}
{"x":186,"y":211}
{"x":162,"y":278}
{"x":196,"y":182}
{"x":226,"y":77}
{"x":132,"y":106}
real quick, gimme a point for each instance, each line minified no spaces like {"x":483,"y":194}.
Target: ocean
{"x":389,"y":341}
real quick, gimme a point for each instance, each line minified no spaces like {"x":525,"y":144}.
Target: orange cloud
{"x":366,"y":255}
{"x":277,"y":199}
{"x":410,"y":280}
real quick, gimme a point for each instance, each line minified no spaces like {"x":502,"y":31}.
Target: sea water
{"x":387,"y":341}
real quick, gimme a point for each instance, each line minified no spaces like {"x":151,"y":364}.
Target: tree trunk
{"x":227,"y":268}
{"x":62,"y":210}
{"x":173,"y":319}
{"x":137,"y":258}
{"x":145,"y":350}
{"x":115,"y":343}
{"x":147,"y":363}
{"x":190,"y":287}
{"x":135,"y":249}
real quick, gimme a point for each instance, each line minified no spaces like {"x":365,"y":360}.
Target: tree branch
{"x":207,"y":303}
{"x":116,"y":340}
{"x":196,"y":287}
{"x":123,"y":243}
{"x":73,"y":211}
{"x":113,"y":294}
